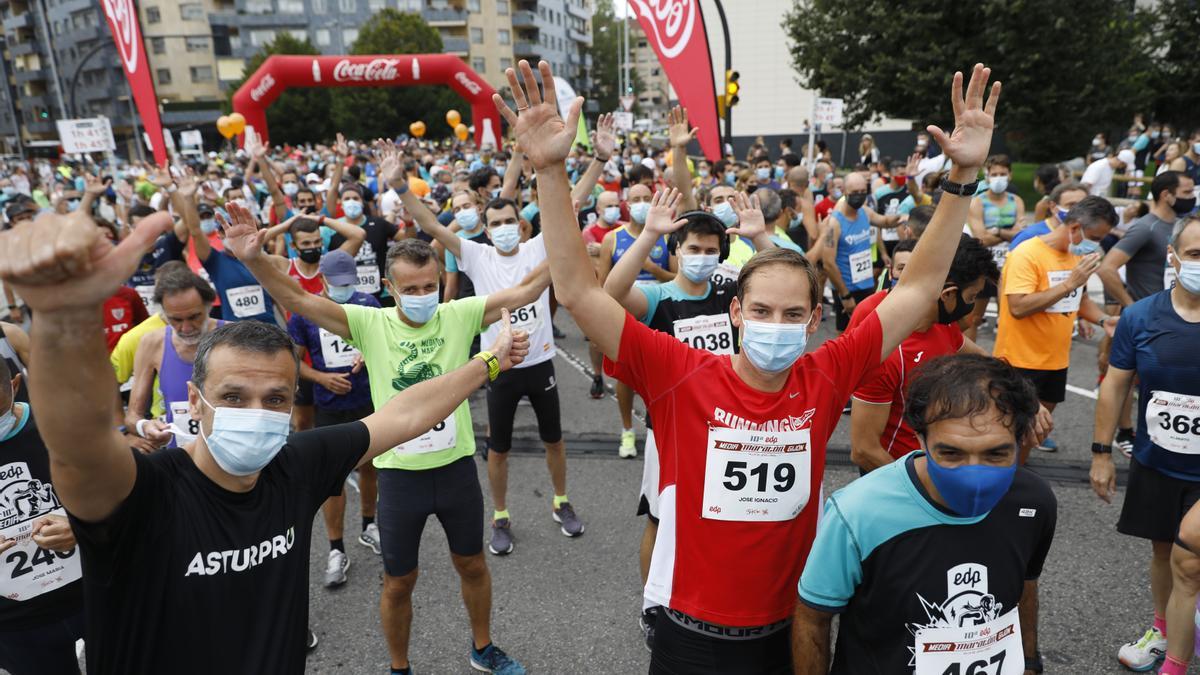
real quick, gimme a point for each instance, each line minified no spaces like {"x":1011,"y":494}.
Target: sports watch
{"x":493,"y":364}
{"x":960,"y":189}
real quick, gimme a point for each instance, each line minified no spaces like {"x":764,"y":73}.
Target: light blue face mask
{"x":1188,"y":275}
{"x":245,"y":440}
{"x":762,"y":174}
{"x":500,"y":169}
{"x":419,"y":308}
{"x":612,"y":214}
{"x":530,"y":211}
{"x":638,"y":211}
{"x":1085,"y":247}
{"x":208,"y":225}
{"x":352,"y":209}
{"x":495,"y":193}
{"x":506,"y":237}
{"x":468,"y":219}
{"x":698,"y":268}
{"x":795,"y":221}
{"x":773,"y":347}
{"x":340,"y":294}
{"x":724,"y":211}
{"x":8,"y":422}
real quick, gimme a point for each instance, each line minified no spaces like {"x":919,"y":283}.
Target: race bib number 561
{"x":756,"y":476}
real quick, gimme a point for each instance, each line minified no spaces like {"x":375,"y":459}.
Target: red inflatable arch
{"x":279,"y":73}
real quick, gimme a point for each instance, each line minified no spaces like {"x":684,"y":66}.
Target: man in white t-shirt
{"x":1099,"y":175}
{"x":495,"y":268}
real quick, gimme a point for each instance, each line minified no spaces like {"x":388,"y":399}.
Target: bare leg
{"x":334,"y":511}
{"x":1161,"y":579}
{"x":477,"y":595}
{"x":625,"y":405}
{"x":556,"y":462}
{"x":395,"y":609}
{"x":597,"y":358}
{"x":497,"y":465}
{"x":1181,"y":608}
{"x":367,"y":489}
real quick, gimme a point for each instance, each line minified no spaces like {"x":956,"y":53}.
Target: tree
{"x":1177,"y":99}
{"x":378,"y":112}
{"x":1069,"y":69}
{"x":298,"y":115}
{"x":606,"y":59}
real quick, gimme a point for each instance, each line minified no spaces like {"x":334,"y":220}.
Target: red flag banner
{"x":126,"y":29}
{"x":676,"y":29}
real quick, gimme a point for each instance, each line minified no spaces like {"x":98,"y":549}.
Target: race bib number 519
{"x":756,"y":476}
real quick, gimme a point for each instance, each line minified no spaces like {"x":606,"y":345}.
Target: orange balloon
{"x":453,"y":118}
{"x":417,"y":128}
{"x":225,"y":126}
{"x":237,"y":122}
{"x":461,"y":131}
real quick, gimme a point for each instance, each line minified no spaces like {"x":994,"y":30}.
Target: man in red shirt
{"x":122,"y":311}
{"x":878,"y":432}
{"x":741,"y":438}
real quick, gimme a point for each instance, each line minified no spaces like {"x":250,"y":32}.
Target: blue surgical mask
{"x":1085,"y":247}
{"x":638,"y":211}
{"x":763,"y":173}
{"x":468,"y":219}
{"x":724,"y":212}
{"x":500,"y":168}
{"x":352,"y":209}
{"x":971,"y":490}
{"x":795,"y":221}
{"x":340,"y":294}
{"x":419,"y":308}
{"x":244,"y":440}
{"x":1189,"y":276}
{"x":779,"y":171}
{"x":8,"y":422}
{"x":530,"y":211}
{"x":72,"y":204}
{"x":1061,"y":214}
{"x":495,"y":193}
{"x":506,"y":237}
{"x":208,"y":225}
{"x":703,"y":173}
{"x":998,"y":184}
{"x":290,"y":188}
{"x":730,"y":178}
{"x":698,"y":268}
{"x":636,"y":159}
{"x":773,"y":347}
{"x":612,"y":214}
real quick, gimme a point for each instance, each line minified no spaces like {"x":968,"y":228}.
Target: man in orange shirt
{"x":1042,"y":292}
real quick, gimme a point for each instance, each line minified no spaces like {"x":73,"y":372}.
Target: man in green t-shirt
{"x":431,"y":475}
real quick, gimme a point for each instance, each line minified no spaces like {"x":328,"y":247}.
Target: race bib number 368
{"x":1173,"y":421}
{"x":756,"y":476}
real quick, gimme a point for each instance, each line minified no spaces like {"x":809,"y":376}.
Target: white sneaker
{"x":335,"y":570}
{"x":370,"y":538}
{"x":1143,"y":654}
{"x":628,"y":445}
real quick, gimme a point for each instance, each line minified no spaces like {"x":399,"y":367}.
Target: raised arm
{"x":660,"y":221}
{"x":340,"y":151}
{"x":680,"y":136}
{"x":65,"y":269}
{"x":354,"y":235}
{"x":417,"y":409}
{"x":547,"y":140}
{"x":587,"y":182}
{"x":511,"y":187}
{"x":245,"y":241}
{"x":967,"y":145}
{"x":392,"y":166}
{"x":18,"y":339}
{"x":518,"y":296}
{"x":93,"y":187}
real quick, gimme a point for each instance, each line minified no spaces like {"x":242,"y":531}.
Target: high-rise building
{"x":655,"y":94}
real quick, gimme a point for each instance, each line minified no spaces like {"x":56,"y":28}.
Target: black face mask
{"x":1182,"y":206}
{"x":310,"y":255}
{"x":962,"y":309}
{"x":856,"y":200}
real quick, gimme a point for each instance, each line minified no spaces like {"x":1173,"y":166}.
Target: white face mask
{"x":245,"y":440}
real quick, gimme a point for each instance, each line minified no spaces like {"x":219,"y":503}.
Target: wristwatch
{"x":1034,"y":664}
{"x":846,"y":296}
{"x":493,"y":364}
{"x":960,"y":189}
{"x":1101,"y":449}
{"x":402,"y":187}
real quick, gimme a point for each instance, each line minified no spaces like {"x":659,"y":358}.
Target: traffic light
{"x":732,"y":88}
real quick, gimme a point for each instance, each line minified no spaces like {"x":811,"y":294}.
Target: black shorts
{"x":679,"y":651}
{"x":304,"y":392}
{"x":843,"y":318}
{"x":1051,"y":385}
{"x":408,"y":498}
{"x":1155,"y":503}
{"x":536,"y":382}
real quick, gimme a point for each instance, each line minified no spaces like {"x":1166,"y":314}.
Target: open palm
{"x":967,"y":145}
{"x":242,"y":237}
{"x":542,"y":133}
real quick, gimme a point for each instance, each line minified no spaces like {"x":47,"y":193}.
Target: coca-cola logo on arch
{"x":123,"y":16}
{"x":376,"y":70}
{"x":671,"y":21}
{"x":262,"y":88}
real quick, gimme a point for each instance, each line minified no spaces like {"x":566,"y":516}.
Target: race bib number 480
{"x":247,"y":301}
{"x":992,"y":648}
{"x":1173,"y":421}
{"x":756,"y":476}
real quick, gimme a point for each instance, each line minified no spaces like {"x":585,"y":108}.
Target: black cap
{"x":205,"y":210}
{"x":20,"y":206}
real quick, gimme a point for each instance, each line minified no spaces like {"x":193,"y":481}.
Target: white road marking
{"x":1086,"y":393}
{"x":586,"y":371}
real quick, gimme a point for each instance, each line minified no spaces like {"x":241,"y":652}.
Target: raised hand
{"x":604,"y":139}
{"x":751,"y":222}
{"x":162,"y":177}
{"x":342,"y":148}
{"x":64,"y":262}
{"x":243,"y":238}
{"x":94,"y":185}
{"x":253,"y":145}
{"x":125,"y":192}
{"x":661,"y":218}
{"x":187,"y":183}
{"x":680,"y":134}
{"x":543,"y":134}
{"x":391,"y":165}
{"x":510,"y":347}
{"x":913,"y":167}
{"x":967,"y":145}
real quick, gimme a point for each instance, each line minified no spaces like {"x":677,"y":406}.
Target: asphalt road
{"x":570,"y":606}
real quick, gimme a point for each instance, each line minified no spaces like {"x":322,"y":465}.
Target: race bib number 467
{"x":756,"y":476}
{"x":992,"y":648}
